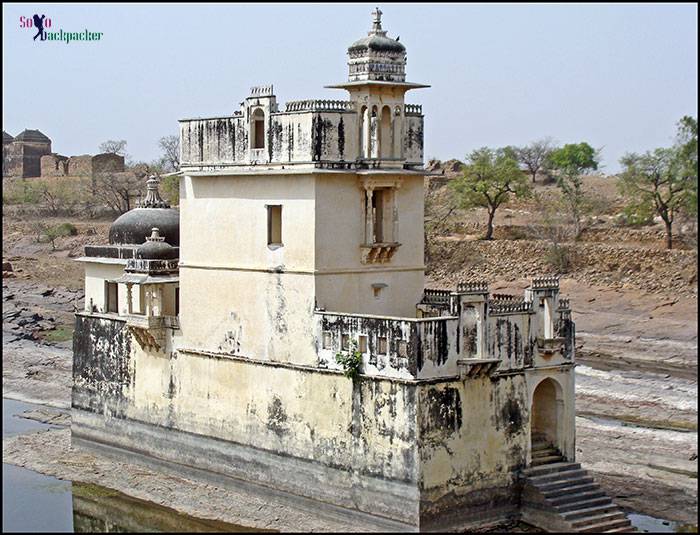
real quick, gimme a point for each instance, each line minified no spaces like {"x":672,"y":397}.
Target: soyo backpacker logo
{"x":40,"y":23}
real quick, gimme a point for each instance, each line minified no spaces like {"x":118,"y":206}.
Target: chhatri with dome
{"x":274,"y":330}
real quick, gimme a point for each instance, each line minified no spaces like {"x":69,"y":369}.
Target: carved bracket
{"x":378,"y":253}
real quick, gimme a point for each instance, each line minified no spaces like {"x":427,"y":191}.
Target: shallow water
{"x":33,"y":502}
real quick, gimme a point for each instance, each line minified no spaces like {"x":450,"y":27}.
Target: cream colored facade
{"x":300,"y":241}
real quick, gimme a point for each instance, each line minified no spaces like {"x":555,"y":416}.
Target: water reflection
{"x":35,"y":503}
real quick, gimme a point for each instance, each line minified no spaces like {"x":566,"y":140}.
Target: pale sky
{"x":616,"y":76}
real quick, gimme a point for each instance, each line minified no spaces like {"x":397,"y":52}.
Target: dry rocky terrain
{"x":634,"y":304}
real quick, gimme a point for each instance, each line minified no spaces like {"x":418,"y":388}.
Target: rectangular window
{"x":363,"y":344}
{"x":111,"y":290}
{"x":274,"y":224}
{"x":402,"y":349}
{"x":345,"y":342}
{"x":381,"y":345}
{"x":326,"y":340}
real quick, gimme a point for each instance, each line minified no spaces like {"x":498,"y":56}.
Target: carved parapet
{"x":473,"y":287}
{"x":550,"y":282}
{"x":319,"y":105}
{"x":510,"y":306}
{"x":413,"y":109}
{"x":503,"y":297}
{"x":436,"y":297}
{"x":262,"y":91}
{"x":564,"y":305}
{"x":378,"y":253}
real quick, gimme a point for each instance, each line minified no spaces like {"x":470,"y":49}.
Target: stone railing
{"x":413,"y":109}
{"x":408,"y":348}
{"x":549,"y":282}
{"x":436,"y":297}
{"x":473,"y":287}
{"x":509,"y":306}
{"x":319,"y":105}
{"x":152,"y":266}
{"x":564,"y":304}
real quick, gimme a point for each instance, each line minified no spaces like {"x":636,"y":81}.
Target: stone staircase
{"x":561,"y":496}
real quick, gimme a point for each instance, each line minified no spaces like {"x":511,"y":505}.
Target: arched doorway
{"x":546,"y":414}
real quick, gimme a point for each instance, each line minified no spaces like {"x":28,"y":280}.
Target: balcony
{"x":407,"y":348}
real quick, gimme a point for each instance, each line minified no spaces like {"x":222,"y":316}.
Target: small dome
{"x":133,"y":227}
{"x":377,"y":43}
{"x":32,"y":135}
{"x":155,"y":248}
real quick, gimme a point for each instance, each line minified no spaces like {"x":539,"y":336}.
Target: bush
{"x":170,"y":186}
{"x":66,"y":229}
{"x":351,"y":362}
{"x":559,"y":258}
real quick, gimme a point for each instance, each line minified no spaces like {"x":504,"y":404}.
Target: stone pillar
{"x":129,"y":299}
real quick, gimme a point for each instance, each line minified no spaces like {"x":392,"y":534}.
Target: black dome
{"x":155,"y":248}
{"x":133,"y":227}
{"x":377,"y":43}
{"x":32,"y":135}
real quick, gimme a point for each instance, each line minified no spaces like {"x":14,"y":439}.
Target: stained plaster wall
{"x":95,"y":276}
{"x":256,"y":295}
{"x":343,"y":282}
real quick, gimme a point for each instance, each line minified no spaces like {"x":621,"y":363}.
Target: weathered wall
{"x":107,"y":162}
{"x":344,"y":283}
{"x":54,"y":165}
{"x":95,"y":276}
{"x":80,"y":165}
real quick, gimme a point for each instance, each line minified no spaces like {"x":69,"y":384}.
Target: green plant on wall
{"x":350,"y":361}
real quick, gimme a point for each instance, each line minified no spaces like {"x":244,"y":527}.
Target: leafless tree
{"x":118,"y":191}
{"x":170,"y":145}
{"x":534,"y":156}
{"x":114,"y":147}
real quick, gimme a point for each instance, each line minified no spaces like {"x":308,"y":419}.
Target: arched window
{"x":364,"y":132}
{"x":257,"y":129}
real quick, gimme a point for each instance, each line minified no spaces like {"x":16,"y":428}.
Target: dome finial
{"x":153,"y":198}
{"x":377,"y":22}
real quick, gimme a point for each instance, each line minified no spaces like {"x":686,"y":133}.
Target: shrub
{"x":637,"y":215}
{"x":351,"y":362}
{"x":559,"y":258}
{"x":67,"y":229}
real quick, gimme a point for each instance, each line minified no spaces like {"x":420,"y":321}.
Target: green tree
{"x":490,"y":178}
{"x":661,"y":180}
{"x":687,"y":155}
{"x":571,"y":162}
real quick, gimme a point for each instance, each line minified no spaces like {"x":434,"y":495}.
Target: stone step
{"x":555,"y":477}
{"x":628,"y":529}
{"x":598,"y":519}
{"x":574,"y":488}
{"x":546,"y":487}
{"x":606,"y":526}
{"x":581,"y":514}
{"x":551,"y":468}
{"x":578,"y":497}
{"x":584,"y":504}
{"x":550,"y":459}
{"x":545,"y":451}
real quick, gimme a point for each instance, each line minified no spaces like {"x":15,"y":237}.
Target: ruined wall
{"x":107,"y":163}
{"x":510,"y":339}
{"x":80,"y":165}
{"x":54,"y":165}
